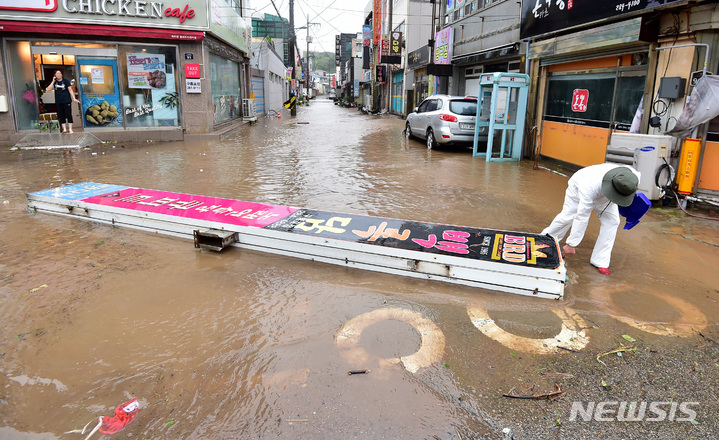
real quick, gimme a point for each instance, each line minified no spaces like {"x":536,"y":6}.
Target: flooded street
{"x":248,"y":345}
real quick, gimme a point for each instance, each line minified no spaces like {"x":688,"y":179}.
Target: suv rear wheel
{"x":431,"y":143}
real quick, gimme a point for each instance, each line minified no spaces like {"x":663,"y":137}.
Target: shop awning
{"x":99,"y":30}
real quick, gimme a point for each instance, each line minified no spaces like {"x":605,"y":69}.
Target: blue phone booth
{"x":501,"y":114}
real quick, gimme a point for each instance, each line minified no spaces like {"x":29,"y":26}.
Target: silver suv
{"x":444,"y":120}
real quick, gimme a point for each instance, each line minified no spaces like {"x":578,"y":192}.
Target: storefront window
{"x":587,"y":99}
{"x":149,"y":83}
{"x":25,"y":85}
{"x":629,"y":96}
{"x":598,"y":89}
{"x":225,"y":83}
{"x":421,"y":84}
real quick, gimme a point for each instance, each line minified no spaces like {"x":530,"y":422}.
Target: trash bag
{"x":702,"y":107}
{"x":124,"y":414}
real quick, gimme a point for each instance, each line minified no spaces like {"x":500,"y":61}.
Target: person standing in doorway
{"x":599,"y":188}
{"x":64,"y":97}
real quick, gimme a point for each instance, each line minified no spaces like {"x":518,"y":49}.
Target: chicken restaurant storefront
{"x":140,"y":69}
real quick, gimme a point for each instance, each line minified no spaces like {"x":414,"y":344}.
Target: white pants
{"x":609,"y":220}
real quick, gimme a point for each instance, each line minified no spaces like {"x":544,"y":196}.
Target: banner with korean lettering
{"x":481,"y":244}
{"x":516,"y":248}
{"x":541,"y":16}
{"x":234,"y":212}
{"x":366,"y":35}
{"x":376,"y":21}
{"x":384,"y":45}
{"x":443,"y":46}
{"x":380,"y":74}
{"x":395,"y":47}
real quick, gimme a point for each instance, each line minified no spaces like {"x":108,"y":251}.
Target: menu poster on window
{"x":146,"y":71}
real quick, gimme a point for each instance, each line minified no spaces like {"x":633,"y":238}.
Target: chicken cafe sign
{"x":128,"y":8}
{"x":188,"y":14}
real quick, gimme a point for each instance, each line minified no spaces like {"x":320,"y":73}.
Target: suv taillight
{"x":448,"y":118}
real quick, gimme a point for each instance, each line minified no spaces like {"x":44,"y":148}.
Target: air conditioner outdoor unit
{"x":645,"y":153}
{"x":249,"y":112}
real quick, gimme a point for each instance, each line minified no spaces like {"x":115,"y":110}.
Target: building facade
{"x":595,"y":74}
{"x":158,"y":70}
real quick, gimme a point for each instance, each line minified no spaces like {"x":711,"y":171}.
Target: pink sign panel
{"x":234,"y":212}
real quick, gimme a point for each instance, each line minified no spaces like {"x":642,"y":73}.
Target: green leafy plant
{"x":170,"y":100}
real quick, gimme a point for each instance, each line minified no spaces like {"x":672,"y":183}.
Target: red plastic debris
{"x":124,"y":414}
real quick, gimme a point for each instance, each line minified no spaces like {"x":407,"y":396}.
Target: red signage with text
{"x":580,"y":98}
{"x":192,"y":71}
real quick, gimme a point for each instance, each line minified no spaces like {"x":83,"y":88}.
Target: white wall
{"x":267,"y":60}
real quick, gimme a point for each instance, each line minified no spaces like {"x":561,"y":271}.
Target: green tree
{"x":323,"y":61}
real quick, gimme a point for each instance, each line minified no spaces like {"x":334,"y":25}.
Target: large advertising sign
{"x":480,"y":244}
{"x":514,"y":248}
{"x":443,"y":46}
{"x":543,"y":16}
{"x":177,"y":14}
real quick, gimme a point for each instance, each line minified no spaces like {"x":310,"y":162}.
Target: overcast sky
{"x":332,"y":17}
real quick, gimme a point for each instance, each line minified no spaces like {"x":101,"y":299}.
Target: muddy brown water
{"x":241,"y":344}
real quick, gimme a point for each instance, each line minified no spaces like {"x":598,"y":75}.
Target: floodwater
{"x":246,"y":345}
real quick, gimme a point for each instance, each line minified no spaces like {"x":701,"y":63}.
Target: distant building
{"x":277,"y":30}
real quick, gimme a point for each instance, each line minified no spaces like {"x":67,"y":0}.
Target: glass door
{"x":99,"y":93}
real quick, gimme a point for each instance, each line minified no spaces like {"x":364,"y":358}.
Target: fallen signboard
{"x":516,"y":262}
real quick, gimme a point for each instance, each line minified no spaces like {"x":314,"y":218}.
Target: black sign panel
{"x":515,"y":248}
{"x":337,"y":50}
{"x":546,"y":16}
{"x":418,"y":58}
{"x":390,"y":59}
{"x":439,"y":69}
{"x":381,"y":74}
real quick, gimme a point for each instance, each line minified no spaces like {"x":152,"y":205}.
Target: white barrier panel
{"x":515,"y":262}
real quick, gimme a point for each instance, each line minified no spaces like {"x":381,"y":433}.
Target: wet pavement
{"x":242,"y":344}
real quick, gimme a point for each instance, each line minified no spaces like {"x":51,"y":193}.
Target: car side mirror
{"x":415,"y":109}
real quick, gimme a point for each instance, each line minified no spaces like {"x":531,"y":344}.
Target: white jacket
{"x":584,"y":195}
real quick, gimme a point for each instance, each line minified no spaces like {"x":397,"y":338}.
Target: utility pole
{"x":307,"y":59}
{"x":389,"y":66}
{"x":293,"y":108}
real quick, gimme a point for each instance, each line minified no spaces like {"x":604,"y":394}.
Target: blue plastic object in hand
{"x":634,"y":212}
